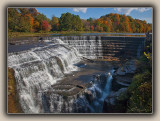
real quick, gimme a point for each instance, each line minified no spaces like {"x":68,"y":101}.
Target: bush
{"x":140,"y":92}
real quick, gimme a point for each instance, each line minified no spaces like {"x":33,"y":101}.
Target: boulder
{"x":112,"y":103}
{"x":128,"y":68}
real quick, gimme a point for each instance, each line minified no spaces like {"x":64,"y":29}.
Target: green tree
{"x":77,"y":24}
{"x":13,"y":19}
{"x":24,"y":25}
{"x":69,"y":22}
{"x":24,"y":11}
{"x":86,"y":26}
{"x":66,"y":21}
{"x":90,"y":20}
{"x":33,"y":12}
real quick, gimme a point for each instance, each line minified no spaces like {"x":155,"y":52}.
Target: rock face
{"x":37,"y":72}
{"x":128,"y":68}
{"x":65,"y":104}
{"x":13,"y":102}
{"x":114,"y":103}
{"x":75,"y":98}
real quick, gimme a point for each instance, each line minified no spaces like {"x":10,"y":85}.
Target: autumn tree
{"x":24,"y":11}
{"x":46,"y":26}
{"x":127,"y":24}
{"x":36,"y":26}
{"x":55,"y":23}
{"x":117,"y":22}
{"x":29,"y":20}
{"x":24,"y":25}
{"x":13,"y":19}
{"x":86,"y":25}
{"x":90,"y":20}
{"x":33,"y":12}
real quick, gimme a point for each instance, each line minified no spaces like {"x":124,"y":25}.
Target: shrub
{"x":140,"y":91}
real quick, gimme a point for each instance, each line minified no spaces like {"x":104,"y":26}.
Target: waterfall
{"x":37,"y":69}
{"x":96,"y":47}
{"x":93,"y":47}
{"x":90,"y":47}
{"x":100,"y":94}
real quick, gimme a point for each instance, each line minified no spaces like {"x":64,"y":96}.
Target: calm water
{"x":102,"y":34}
{"x":34,"y":41}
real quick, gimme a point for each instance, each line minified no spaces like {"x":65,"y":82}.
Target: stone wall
{"x":110,"y":48}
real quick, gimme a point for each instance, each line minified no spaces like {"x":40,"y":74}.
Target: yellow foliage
{"x":149,"y":56}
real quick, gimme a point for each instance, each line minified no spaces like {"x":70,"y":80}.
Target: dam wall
{"x":99,"y":47}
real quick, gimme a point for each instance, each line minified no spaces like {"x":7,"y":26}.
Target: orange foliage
{"x":117,"y":18}
{"x":30,"y":20}
{"x":36,"y":26}
{"x":92,"y":28}
{"x":105,"y":22}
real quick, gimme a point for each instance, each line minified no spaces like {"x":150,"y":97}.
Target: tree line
{"x":30,"y":20}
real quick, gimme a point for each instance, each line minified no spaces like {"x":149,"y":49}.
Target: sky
{"x":142,"y":13}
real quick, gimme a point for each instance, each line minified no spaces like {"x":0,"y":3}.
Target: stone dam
{"x":53,"y":77}
{"x":109,"y":48}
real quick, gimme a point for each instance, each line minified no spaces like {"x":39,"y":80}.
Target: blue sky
{"x":85,"y":13}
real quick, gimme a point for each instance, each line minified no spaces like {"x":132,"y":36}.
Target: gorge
{"x":68,"y":74}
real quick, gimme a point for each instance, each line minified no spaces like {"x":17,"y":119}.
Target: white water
{"x":88,"y":48}
{"x":36,"y":70}
{"x":97,"y":104}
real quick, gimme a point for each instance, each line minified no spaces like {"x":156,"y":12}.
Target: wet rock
{"x":121,"y":72}
{"x":112,"y":103}
{"x":128,"y":68}
{"x":89,"y":96}
{"x":123,"y":76}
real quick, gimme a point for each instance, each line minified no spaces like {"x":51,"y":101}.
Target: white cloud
{"x":144,"y":9}
{"x":149,"y":20}
{"x":84,"y":10}
{"x":127,"y":11}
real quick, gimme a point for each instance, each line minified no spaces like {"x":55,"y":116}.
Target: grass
{"x":20,"y":34}
{"x":25,"y":34}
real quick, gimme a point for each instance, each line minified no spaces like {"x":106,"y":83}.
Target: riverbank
{"x":23,"y":34}
{"x":34,"y":34}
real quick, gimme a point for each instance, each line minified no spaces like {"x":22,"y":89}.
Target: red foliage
{"x":46,"y":26}
{"x":92,"y":28}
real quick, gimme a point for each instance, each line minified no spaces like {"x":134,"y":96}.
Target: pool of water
{"x":102,"y":34}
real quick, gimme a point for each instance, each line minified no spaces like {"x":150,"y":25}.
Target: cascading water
{"x":36,"y":70}
{"x":101,"y":93}
{"x":88,"y":48}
